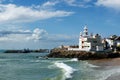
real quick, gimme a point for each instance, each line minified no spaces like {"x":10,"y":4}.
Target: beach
{"x":106,"y":62}
{"x":112,"y":65}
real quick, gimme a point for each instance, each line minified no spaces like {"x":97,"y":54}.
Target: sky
{"x":38,"y":24}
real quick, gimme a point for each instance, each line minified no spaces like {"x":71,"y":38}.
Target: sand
{"x":111,"y":63}
{"x":106,"y":62}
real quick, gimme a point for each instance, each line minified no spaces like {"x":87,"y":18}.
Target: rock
{"x":81,"y":55}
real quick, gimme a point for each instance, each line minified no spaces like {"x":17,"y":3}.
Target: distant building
{"x":113,"y":42}
{"x":64,"y":47}
{"x":89,"y":42}
{"x":117,"y":40}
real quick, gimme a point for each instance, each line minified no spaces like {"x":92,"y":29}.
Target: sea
{"x":31,"y":67}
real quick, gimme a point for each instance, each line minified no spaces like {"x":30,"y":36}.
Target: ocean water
{"x":28,"y":67}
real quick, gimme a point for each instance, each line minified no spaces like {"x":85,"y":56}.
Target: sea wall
{"x":27,"y":51}
{"x":82,"y":55}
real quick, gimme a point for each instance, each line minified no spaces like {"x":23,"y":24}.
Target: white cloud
{"x":71,"y":2}
{"x":48,"y":4}
{"x":37,"y":38}
{"x":78,"y":3}
{"x":115,"y":4}
{"x":37,"y":34}
{"x":22,"y":35}
{"x":14,"y":13}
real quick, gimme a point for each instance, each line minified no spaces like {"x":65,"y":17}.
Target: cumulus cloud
{"x":12,"y":12}
{"x":115,"y":4}
{"x":37,"y":34}
{"x":22,"y":35}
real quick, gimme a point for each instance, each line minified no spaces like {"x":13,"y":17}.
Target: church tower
{"x":85,"y":32}
{"x":82,"y":38}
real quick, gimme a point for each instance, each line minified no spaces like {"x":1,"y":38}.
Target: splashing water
{"x":66,"y":69}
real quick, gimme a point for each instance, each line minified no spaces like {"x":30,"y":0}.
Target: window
{"x":94,"y":41}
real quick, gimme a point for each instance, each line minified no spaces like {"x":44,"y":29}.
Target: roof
{"x":118,"y":38}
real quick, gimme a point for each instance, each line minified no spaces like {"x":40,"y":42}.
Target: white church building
{"x":89,"y":42}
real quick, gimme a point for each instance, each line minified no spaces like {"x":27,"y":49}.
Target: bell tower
{"x":85,"y":31}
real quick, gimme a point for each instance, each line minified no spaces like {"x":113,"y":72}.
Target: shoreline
{"x":112,"y":65}
{"x":83,"y":55}
{"x":106,"y":62}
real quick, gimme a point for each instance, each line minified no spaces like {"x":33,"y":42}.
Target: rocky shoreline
{"x":27,"y":51}
{"x":82,"y":55}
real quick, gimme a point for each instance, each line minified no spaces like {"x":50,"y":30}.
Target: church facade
{"x":89,"y":42}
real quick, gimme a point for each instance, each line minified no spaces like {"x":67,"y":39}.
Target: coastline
{"x":83,"y":55}
{"x":106,"y":62}
{"x":112,"y":65}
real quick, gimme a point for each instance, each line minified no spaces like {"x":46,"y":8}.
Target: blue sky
{"x":49,"y":23}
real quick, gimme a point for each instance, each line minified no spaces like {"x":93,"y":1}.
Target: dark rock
{"x":81,"y":55}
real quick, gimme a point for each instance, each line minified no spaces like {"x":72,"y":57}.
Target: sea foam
{"x":106,"y":74}
{"x":66,"y":69}
{"x":90,"y":65}
{"x":74,"y":59}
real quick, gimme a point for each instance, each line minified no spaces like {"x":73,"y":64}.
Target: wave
{"x":66,"y":69}
{"x":90,"y":65}
{"x":109,"y":73}
{"x":74,"y":59}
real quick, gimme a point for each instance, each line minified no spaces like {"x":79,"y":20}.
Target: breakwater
{"x":82,"y":55}
{"x":27,"y":51}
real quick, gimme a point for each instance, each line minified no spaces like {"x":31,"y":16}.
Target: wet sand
{"x":111,"y":63}
{"x":106,"y":62}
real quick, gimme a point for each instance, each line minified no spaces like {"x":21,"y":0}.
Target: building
{"x":117,"y":40}
{"x":113,"y":42}
{"x":89,"y":42}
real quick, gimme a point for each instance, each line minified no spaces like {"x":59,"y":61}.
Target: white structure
{"x":89,"y":42}
{"x":113,"y":42}
{"x":117,"y":40}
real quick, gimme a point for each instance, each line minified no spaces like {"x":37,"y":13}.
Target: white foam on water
{"x":66,"y":69}
{"x":37,"y":60}
{"x":106,"y":74}
{"x":74,"y":59}
{"x":90,"y":65}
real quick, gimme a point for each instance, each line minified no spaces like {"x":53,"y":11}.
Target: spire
{"x":80,"y":34}
{"x":85,"y":28}
{"x":85,"y":31}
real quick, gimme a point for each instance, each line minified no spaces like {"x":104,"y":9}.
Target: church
{"x":89,"y":42}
